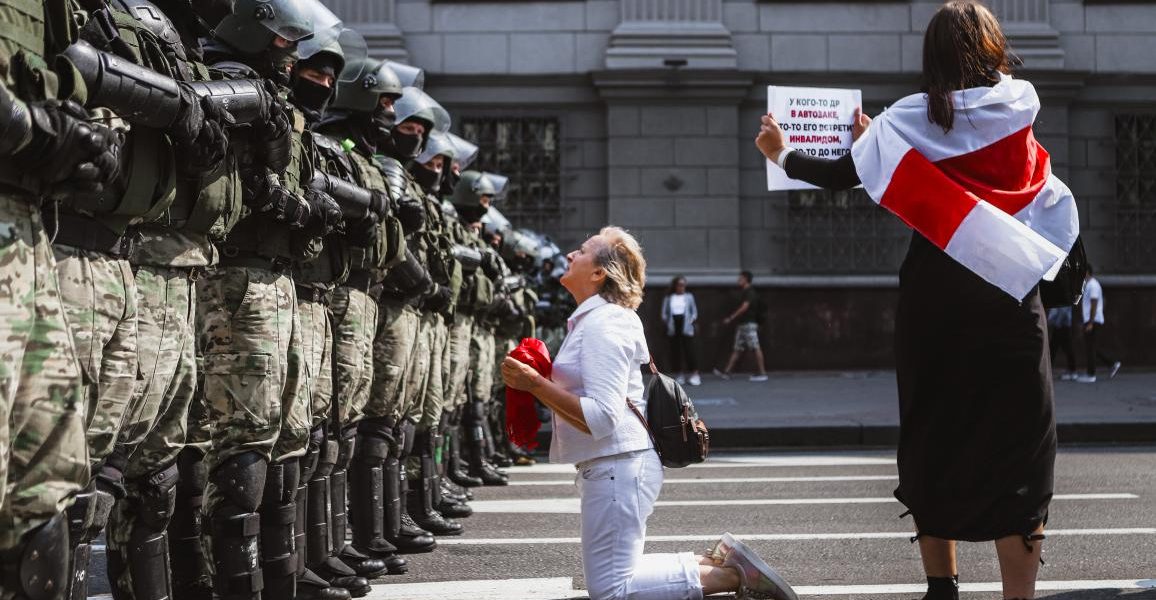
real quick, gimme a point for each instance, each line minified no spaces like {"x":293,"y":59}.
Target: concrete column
{"x":1027,"y":24}
{"x":673,"y":165}
{"x":374,"y":20}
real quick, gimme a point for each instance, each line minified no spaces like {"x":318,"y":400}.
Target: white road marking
{"x":562,"y":588}
{"x":571,"y":505}
{"x":994,"y":586}
{"x":780,"y":537}
{"x":680,"y":480}
{"x":738,"y":460}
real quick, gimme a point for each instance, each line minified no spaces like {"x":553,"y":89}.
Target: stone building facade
{"x":642,"y":113}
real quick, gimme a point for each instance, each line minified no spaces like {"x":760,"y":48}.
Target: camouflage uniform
{"x":43,"y":454}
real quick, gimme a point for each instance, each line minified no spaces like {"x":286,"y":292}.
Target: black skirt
{"x":977,"y":441}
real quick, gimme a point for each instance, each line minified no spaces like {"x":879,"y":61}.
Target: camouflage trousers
{"x":427,"y":406}
{"x":316,"y":385}
{"x":99,"y":297}
{"x":394,"y":347}
{"x":354,"y":326}
{"x":154,"y":432}
{"x":461,"y":332}
{"x":43,"y":452}
{"x":417,"y":374}
{"x":248,"y":323}
{"x":482,"y":365}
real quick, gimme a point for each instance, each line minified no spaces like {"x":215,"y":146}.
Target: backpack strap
{"x":645,"y":425}
{"x":653,"y":371}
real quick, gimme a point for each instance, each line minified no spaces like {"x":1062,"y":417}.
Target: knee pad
{"x":37,"y":569}
{"x":326,"y":459}
{"x":158,"y":497}
{"x":89,"y":513}
{"x":405,"y":432}
{"x":345,"y":447}
{"x":371,"y":450}
{"x":241,"y":480}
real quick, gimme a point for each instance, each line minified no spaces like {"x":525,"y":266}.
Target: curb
{"x":888,"y":436}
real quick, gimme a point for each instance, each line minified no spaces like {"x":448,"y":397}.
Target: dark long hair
{"x":964,"y":47}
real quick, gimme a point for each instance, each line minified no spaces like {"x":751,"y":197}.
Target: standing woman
{"x":679,"y":314}
{"x":959,"y":164}
{"x":595,"y":371}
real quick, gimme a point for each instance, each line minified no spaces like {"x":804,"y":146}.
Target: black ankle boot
{"x":942,"y":588}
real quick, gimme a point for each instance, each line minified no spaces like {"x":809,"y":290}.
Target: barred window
{"x":841,"y":233}
{"x":1135,"y":230}
{"x":527,"y":150}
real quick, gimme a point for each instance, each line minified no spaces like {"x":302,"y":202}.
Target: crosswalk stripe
{"x":815,"y":479}
{"x":993,"y":586}
{"x":782,"y":537}
{"x":571,"y":505}
{"x":733,"y":461}
{"x":562,"y":588}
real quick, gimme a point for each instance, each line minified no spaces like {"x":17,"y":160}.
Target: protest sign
{"x":814,"y":120}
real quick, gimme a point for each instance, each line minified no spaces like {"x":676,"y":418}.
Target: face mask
{"x":402,"y":146}
{"x":311,"y":95}
{"x":471,"y":214}
{"x":449,"y":182}
{"x":427,"y":178}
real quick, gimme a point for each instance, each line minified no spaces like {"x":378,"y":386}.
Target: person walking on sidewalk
{"x":977,"y":428}
{"x":1060,"y":336}
{"x":679,"y":314}
{"x":619,"y":473}
{"x":1092,"y":306}
{"x":749,"y":315}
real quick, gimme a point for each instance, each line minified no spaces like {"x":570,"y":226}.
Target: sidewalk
{"x":861,"y":408}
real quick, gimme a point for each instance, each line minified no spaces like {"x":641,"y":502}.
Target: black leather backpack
{"x":679,"y":436}
{"x":1068,"y":287}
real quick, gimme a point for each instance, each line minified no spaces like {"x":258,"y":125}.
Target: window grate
{"x":528,"y":151}
{"x":841,"y":233}
{"x":1135,"y":226}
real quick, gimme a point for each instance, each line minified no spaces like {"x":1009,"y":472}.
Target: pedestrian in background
{"x":1092,"y":306}
{"x":1060,"y":337}
{"x":619,"y":473}
{"x":679,"y":314}
{"x":749,"y":315}
{"x":977,"y":443}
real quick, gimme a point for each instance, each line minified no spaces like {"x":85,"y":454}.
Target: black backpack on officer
{"x":679,"y":436}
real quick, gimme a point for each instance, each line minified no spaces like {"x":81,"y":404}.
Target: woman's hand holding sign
{"x":771,"y":141}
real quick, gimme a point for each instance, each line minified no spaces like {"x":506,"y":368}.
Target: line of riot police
{"x":254,"y":300}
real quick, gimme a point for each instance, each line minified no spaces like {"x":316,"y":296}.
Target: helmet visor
{"x":294,"y":20}
{"x":500,"y":182}
{"x":465,"y":151}
{"x":410,"y":76}
{"x":439,"y":144}
{"x":414,"y":101}
{"x":355,"y":51}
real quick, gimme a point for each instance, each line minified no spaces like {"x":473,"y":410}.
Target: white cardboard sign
{"x":814,"y":120}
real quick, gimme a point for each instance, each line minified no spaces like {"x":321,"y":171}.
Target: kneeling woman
{"x":620,"y":475}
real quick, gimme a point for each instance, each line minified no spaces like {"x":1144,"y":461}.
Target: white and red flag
{"x":983,"y":192}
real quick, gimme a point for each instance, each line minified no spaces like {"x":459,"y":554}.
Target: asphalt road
{"x":825,"y":520}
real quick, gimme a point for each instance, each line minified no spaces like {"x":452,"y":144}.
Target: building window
{"x":1135,"y":230}
{"x":841,"y":233}
{"x":527,"y":150}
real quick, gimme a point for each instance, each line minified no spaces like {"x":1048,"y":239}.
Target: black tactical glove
{"x":439,"y":299}
{"x":276,"y":123}
{"x":411,"y":213}
{"x":363,"y":233}
{"x":67,"y":152}
{"x":324,"y":214}
{"x":491,"y":264}
{"x":267,"y":195}
{"x":201,"y":133}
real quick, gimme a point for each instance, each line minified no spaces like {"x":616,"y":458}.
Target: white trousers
{"x":618,"y":494}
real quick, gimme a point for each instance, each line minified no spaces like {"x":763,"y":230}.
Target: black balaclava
{"x":308,"y":95}
{"x":427,"y":178}
{"x":402,"y":146}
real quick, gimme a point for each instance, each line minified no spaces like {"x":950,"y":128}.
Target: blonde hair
{"x":621,"y":258}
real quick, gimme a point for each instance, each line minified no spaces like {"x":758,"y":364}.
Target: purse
{"x":1067,"y":289}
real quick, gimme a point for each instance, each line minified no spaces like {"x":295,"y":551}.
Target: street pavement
{"x":820,"y":408}
{"x":826,"y":520}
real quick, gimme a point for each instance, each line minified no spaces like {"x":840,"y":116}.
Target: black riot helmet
{"x":414,"y":106}
{"x":255,"y":26}
{"x":472,"y":196}
{"x":323,"y":54}
{"x":430,"y":178}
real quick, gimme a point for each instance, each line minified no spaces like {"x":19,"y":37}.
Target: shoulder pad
{"x":328,"y":145}
{"x":153,"y":19}
{"x":389,"y":165}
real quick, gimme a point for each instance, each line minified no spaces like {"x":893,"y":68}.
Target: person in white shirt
{"x":1093,"y":308}
{"x":619,"y":474}
{"x":679,"y":314}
